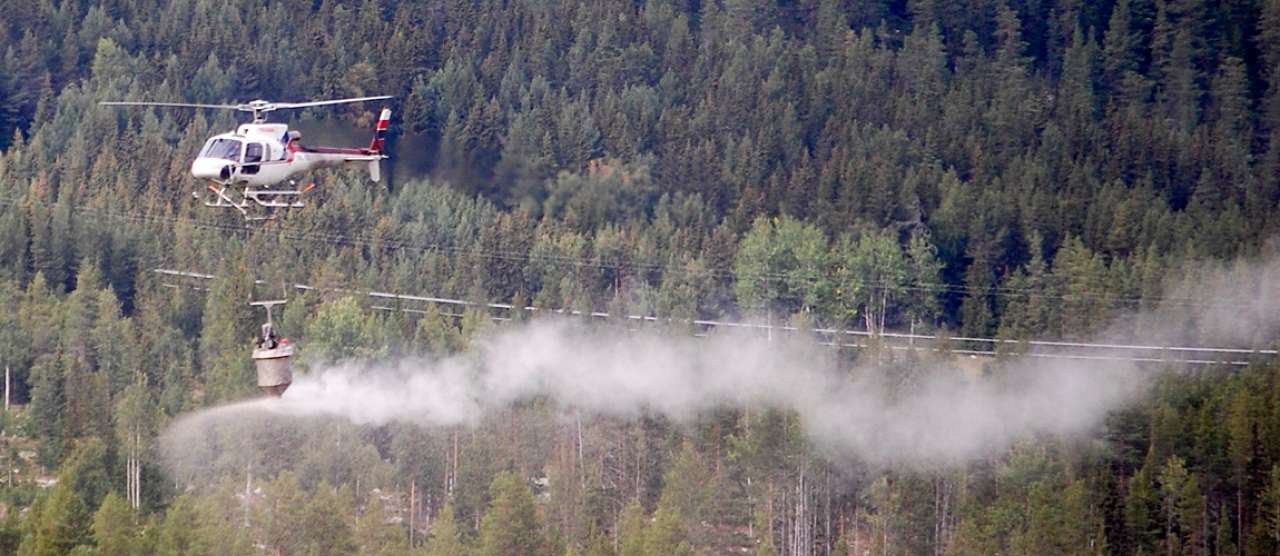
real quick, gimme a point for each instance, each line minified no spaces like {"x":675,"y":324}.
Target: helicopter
{"x":258,"y":156}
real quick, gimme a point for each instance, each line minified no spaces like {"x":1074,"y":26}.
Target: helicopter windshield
{"x":222,"y":148}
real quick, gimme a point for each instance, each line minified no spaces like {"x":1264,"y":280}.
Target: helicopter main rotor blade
{"x":176,"y":104}
{"x":327,"y":102}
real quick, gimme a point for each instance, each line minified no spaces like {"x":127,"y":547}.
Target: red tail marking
{"x":380,"y":131}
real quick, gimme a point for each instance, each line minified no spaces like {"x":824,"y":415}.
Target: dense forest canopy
{"x":1015,"y":169}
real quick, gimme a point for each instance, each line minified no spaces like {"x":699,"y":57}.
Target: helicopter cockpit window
{"x":252,"y":157}
{"x":222,"y":148}
{"x":253,"y":153}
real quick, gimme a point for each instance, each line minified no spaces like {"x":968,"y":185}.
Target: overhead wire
{"x":349,"y":239}
{"x":1038,"y":348}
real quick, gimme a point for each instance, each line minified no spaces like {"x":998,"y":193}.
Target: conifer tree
{"x":667,"y":534}
{"x":511,"y":524}
{"x":446,"y":538}
{"x":631,"y":527}
{"x":61,"y":524}
{"x":113,"y":527}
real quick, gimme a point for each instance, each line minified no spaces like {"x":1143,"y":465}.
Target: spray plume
{"x":917,"y":414}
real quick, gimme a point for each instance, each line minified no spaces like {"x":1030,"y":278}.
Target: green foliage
{"x":178,"y":533}
{"x":1181,"y":503}
{"x":872,"y":274}
{"x":341,"y":330}
{"x":781,"y":264}
{"x":631,"y":530}
{"x":59,"y":523}
{"x":1267,"y":533}
{"x":324,"y":522}
{"x":376,"y":534}
{"x":1022,"y":169}
{"x":86,"y":472}
{"x":436,"y":333}
{"x":667,"y":534}
{"x":689,"y":487}
{"x":114,"y":527}
{"x":11,"y":533}
{"x":446,"y":538}
{"x":285,"y":519}
{"x":511,"y":524}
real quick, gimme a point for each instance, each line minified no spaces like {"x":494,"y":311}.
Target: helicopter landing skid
{"x":268,"y":198}
{"x":274,"y":199}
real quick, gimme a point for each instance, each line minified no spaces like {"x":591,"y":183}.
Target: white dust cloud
{"x":919,"y":414}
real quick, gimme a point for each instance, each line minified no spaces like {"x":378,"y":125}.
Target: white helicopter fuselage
{"x":246,"y":163}
{"x":262,"y":155}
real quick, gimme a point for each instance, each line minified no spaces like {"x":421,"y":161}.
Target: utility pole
{"x":413,"y":502}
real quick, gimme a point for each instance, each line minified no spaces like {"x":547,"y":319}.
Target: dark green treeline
{"x":1020,"y":169}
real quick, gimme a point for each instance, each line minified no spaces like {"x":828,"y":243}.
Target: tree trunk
{"x":1239,"y":522}
{"x":413,"y":504}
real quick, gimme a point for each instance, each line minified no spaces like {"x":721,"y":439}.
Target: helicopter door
{"x":253,"y":153}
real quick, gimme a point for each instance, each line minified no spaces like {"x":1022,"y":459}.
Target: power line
{"x":354,"y":240}
{"x":1101,"y":351}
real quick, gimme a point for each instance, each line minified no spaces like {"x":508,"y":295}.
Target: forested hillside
{"x":1016,"y":169}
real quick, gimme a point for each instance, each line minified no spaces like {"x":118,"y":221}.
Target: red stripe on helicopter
{"x":380,"y":130}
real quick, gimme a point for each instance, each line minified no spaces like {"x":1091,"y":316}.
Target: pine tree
{"x":1085,"y":288}
{"x":180,"y":533}
{"x":61,"y":524}
{"x":228,"y":328}
{"x":375,"y":533}
{"x":630,"y":527}
{"x":1140,"y":506}
{"x":1268,"y":40}
{"x":1121,"y":56}
{"x":1175,"y":53}
{"x":1266,"y":532}
{"x":1078,"y":104}
{"x":285,"y":517}
{"x":113,"y":527}
{"x":511,"y":524}
{"x":446,"y":539}
{"x":1181,"y":505}
{"x":598,"y":544}
{"x":976,"y":311}
{"x":689,"y":488}
{"x":1241,"y":450}
{"x":436,"y":334}
{"x":112,"y":339}
{"x":668,"y":534}
{"x":325,"y":530}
